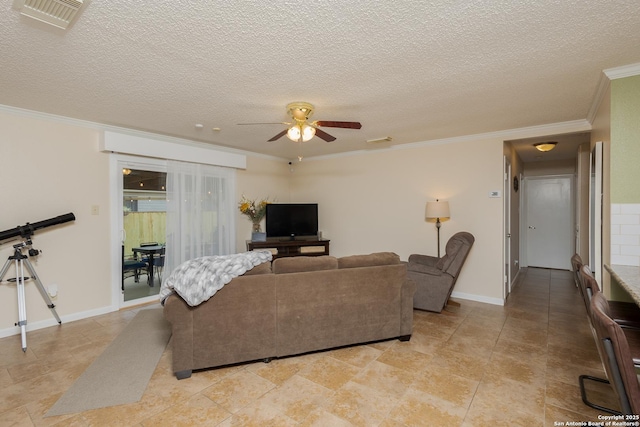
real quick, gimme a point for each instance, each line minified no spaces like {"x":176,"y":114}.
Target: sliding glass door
{"x":194,"y":204}
{"x":141,"y":224}
{"x":144,"y":224}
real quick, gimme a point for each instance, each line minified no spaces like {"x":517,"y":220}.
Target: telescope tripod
{"x":21,"y":260}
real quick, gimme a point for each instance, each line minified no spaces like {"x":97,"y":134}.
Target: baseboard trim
{"x":477,"y":298}
{"x":41,"y":324}
{"x":514,"y":279}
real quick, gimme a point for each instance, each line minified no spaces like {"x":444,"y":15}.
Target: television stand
{"x":288,"y":247}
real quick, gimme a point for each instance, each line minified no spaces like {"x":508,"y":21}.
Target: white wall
{"x":558,"y":167}
{"x":264,"y":178}
{"x":375,"y":201}
{"x":49,"y":169}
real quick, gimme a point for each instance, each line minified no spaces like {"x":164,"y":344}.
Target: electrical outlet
{"x":52,"y":290}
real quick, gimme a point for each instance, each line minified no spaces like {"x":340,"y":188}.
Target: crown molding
{"x":622,"y":72}
{"x":505,"y":135}
{"x":601,"y":90}
{"x":605,"y":81}
{"x":572,"y":126}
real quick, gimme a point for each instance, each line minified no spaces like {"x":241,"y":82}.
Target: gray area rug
{"x":121,"y":373}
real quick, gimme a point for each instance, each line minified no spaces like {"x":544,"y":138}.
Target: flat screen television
{"x":291,"y":220}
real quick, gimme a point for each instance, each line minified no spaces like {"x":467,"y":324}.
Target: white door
{"x":549,"y":225}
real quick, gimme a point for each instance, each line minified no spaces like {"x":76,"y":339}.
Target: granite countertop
{"x":628,"y":277}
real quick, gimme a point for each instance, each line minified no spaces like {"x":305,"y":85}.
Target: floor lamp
{"x":437,"y":210}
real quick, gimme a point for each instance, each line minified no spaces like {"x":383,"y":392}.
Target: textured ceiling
{"x":412,"y":70}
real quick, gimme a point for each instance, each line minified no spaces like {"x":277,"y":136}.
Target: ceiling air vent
{"x":59,"y":13}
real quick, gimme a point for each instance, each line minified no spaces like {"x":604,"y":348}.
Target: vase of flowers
{"x":255,"y":210}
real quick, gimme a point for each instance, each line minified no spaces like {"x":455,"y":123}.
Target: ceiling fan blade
{"x":334,"y":124}
{"x":278,"y":136}
{"x":268,"y":123}
{"x":323,"y":135}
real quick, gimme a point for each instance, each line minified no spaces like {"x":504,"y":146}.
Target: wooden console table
{"x":285,"y":248}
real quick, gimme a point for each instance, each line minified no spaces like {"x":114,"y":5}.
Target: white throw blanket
{"x":199,"y":279}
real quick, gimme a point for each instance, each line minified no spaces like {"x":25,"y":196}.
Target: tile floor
{"x":476,"y":365}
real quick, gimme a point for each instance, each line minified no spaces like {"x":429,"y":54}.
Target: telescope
{"x":27,"y":230}
{"x":21,"y":261}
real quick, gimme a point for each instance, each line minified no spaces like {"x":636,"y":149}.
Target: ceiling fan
{"x":301,"y":130}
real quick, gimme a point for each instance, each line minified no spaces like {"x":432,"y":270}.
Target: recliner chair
{"x":436,"y":277}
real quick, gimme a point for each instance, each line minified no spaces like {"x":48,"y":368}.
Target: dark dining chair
{"x":158,"y":264}
{"x":627,"y":314}
{"x":132,"y":266}
{"x":626,"y":317}
{"x":576,"y":265}
{"x":616,"y":357}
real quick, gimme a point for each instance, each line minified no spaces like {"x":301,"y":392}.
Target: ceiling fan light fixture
{"x":545,"y":146}
{"x":300,"y":111}
{"x":301,"y":130}
{"x":307,"y":132}
{"x":294,"y":133}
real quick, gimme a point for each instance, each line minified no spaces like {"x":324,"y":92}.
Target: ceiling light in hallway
{"x":545,"y":146}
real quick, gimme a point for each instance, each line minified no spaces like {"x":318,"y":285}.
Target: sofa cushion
{"x":264,"y":268}
{"x":300,"y":264}
{"x":379,"y":258}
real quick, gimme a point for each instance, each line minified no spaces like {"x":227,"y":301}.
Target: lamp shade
{"x":437,"y":209}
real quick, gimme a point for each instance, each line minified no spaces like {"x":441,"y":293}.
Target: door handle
{"x":531,"y":227}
